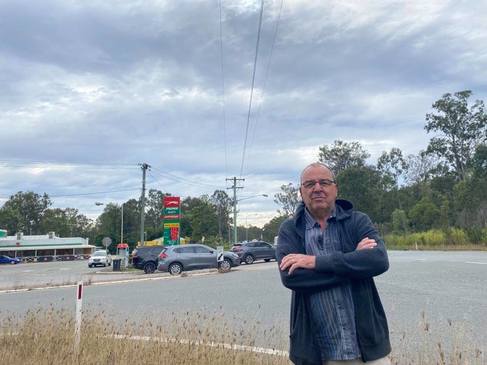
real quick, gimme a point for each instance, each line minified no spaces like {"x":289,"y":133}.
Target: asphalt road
{"x":448,"y":287}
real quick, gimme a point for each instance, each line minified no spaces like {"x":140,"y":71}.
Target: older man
{"x":328,"y":255}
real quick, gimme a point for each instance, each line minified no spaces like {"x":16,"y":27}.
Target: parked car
{"x":9,"y":260}
{"x":248,"y":252}
{"x":145,"y":258}
{"x":177,"y":259}
{"x":100,"y":257}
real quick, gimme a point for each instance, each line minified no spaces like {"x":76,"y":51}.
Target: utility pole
{"x":235,"y":187}
{"x":121,"y":227}
{"x":144,"y":167}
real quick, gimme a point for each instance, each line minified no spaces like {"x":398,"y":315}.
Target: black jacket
{"x":356,"y":267}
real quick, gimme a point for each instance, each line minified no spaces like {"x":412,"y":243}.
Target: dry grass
{"x":47,"y":337}
{"x":458,"y":348}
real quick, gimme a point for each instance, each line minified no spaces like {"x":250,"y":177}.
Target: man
{"x":328,"y":255}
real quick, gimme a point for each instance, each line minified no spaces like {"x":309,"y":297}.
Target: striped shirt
{"x":331,"y":309}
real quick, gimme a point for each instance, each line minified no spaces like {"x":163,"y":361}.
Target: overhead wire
{"x":223,"y":98}
{"x":181,"y":179}
{"x":252,"y":87}
{"x":267,"y":71}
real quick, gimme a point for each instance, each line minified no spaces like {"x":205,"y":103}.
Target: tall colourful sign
{"x":171,"y":214}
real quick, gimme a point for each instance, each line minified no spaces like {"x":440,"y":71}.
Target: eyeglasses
{"x":309,"y":184}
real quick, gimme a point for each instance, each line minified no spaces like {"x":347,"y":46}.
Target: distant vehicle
{"x":9,"y":260}
{"x":145,"y":258}
{"x":249,"y":252}
{"x":177,"y":259}
{"x":100,"y":257}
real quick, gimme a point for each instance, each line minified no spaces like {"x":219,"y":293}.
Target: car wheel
{"x":149,"y":268}
{"x":175,"y":268}
{"x":249,"y":259}
{"x":267,"y":260}
{"x":224,"y":266}
{"x":90,"y":265}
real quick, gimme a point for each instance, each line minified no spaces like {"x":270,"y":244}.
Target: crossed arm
{"x":294,"y":261}
{"x":302,"y":272}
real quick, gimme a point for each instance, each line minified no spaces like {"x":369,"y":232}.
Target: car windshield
{"x":99,"y":253}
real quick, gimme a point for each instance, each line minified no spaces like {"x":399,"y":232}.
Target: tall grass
{"x":451,"y":238}
{"x":47,"y":337}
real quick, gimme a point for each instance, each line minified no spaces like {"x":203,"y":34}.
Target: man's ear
{"x":300,"y":193}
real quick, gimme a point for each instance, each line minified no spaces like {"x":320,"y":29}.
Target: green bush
{"x":437,"y":238}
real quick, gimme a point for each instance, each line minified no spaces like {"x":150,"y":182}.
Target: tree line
{"x":443,"y":186}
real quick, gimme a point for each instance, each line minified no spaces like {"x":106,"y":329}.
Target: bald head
{"x":316,"y":165}
{"x":318,"y":190}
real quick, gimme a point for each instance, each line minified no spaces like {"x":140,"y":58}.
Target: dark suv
{"x":145,"y":258}
{"x":254,"y":250}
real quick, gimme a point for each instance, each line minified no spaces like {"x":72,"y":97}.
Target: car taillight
{"x":162,"y":255}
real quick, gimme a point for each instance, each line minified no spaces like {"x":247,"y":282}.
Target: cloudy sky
{"x":90,"y":89}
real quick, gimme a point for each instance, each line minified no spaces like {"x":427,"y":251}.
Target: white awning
{"x":57,"y":247}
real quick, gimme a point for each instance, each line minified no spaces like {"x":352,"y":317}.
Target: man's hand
{"x":294,"y":261}
{"x":366,"y":243}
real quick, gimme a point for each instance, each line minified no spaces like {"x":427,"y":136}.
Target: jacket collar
{"x":343,"y":210}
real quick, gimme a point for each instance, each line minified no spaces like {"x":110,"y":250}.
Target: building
{"x":47,"y":247}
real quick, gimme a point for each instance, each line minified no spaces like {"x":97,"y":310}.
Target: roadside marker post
{"x":79,"y":302}
{"x":219,"y":255}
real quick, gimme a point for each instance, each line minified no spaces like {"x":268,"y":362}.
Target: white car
{"x":101,"y":258}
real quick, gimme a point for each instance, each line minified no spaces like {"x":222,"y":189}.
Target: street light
{"x":235,"y":239}
{"x":121,"y":225}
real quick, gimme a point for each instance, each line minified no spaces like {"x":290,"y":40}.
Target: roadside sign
{"x":171,"y":214}
{"x":107,"y":241}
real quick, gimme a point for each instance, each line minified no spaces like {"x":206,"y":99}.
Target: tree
{"x":271,"y":228}
{"x":153,"y":220}
{"x":23,"y":212}
{"x":471,"y":194}
{"x":202,"y":217}
{"x":424,"y":215}
{"x":392,"y":165}
{"x":399,"y":221}
{"x":223,"y":204}
{"x":342,"y":155}
{"x":460,"y":129}
{"x":65,"y":222}
{"x":363,"y":187}
{"x":288,"y":199}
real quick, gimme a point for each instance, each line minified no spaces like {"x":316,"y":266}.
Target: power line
{"x":266,"y":75}
{"x":183,"y":179}
{"x":23,"y":163}
{"x":223,"y":99}
{"x":92,"y":193}
{"x":252,"y":87}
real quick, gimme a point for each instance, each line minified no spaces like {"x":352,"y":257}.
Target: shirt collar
{"x":311,"y":222}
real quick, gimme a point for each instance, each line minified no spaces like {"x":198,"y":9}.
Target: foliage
{"x":23,"y":212}
{"x":271,"y":228}
{"x":343,"y":155}
{"x":392,"y":165}
{"x":223,"y":204}
{"x":288,"y":198}
{"x":436,"y":238}
{"x":460,"y":129}
{"x":362,"y":185}
{"x":399,"y":221}
{"x":65,"y":222}
{"x":202,"y":215}
{"x":424,"y":214}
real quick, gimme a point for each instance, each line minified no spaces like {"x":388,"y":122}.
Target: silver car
{"x":176,"y":259}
